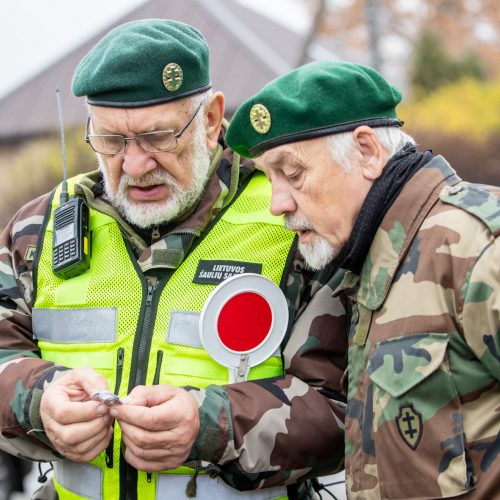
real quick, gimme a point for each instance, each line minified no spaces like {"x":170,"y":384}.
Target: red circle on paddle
{"x":244,"y":322}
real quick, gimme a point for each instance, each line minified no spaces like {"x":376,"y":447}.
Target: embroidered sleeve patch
{"x":409,"y":424}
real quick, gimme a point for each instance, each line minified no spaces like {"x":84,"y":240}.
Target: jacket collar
{"x":396,"y":232}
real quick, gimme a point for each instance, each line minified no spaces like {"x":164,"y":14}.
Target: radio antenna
{"x":64,"y":188}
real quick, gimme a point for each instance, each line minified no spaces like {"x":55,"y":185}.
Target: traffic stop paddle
{"x":243,"y":322}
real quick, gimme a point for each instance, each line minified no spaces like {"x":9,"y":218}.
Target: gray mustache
{"x":297,"y":223}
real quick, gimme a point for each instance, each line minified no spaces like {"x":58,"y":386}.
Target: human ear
{"x":214,"y":112}
{"x":373,"y":156}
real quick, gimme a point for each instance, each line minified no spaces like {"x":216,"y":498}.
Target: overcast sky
{"x":35,"y":33}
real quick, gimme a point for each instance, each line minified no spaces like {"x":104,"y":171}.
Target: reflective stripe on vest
{"x":93,"y":319}
{"x":85,"y":481}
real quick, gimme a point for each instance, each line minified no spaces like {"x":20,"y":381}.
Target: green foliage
{"x":467,"y":107}
{"x":460,"y":121}
{"x":37,"y":167}
{"x":432,"y":66}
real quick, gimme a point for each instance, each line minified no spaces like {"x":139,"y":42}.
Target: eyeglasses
{"x":159,"y":141}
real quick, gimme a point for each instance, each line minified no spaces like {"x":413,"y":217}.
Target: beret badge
{"x":172,"y":77}
{"x":260,"y":118}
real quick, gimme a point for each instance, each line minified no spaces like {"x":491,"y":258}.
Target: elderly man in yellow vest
{"x":117,"y":317}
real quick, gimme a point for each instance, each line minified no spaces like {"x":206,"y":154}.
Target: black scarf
{"x":396,"y":173}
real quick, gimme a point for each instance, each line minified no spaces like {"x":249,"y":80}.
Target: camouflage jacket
{"x":423,"y":417}
{"x":294,"y":428}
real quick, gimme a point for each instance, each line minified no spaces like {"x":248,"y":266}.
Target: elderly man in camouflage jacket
{"x":167,"y":201}
{"x":422,"y":254}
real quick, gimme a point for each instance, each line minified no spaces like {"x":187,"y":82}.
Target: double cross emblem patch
{"x":410,"y":426}
{"x":172,"y":77}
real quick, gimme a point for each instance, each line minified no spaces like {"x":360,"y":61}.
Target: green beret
{"x":142,"y":63}
{"x":317,"y":99}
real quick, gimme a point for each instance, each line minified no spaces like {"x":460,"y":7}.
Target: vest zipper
{"x":128,"y":488}
{"x":156,"y":380}
{"x":119,"y":369}
{"x":159,"y":359}
{"x":194,"y":232}
{"x":143,"y":350}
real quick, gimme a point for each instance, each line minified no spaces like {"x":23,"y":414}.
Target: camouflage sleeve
{"x":481,"y":310}
{"x":21,"y":369}
{"x":268,"y":432}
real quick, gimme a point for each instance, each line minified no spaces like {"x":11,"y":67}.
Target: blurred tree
{"x":439,"y":110}
{"x":317,"y":19}
{"x":37,"y":167}
{"x":460,"y":121}
{"x":465,"y":26}
{"x":432,"y":66}
{"x":372,"y":22}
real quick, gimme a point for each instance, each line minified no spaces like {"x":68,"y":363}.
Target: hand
{"x":159,"y":426}
{"x":78,"y":428}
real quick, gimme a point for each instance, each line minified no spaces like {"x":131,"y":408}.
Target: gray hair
{"x":196,"y":100}
{"x":343,"y":149}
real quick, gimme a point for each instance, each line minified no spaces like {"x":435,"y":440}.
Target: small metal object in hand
{"x":108,"y":398}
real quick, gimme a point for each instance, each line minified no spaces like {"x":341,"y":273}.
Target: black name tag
{"x":213,"y":272}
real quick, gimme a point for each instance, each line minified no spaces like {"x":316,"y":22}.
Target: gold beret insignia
{"x":172,"y":77}
{"x":260,"y":118}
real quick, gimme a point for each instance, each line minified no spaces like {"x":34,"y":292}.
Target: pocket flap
{"x":398,"y":364}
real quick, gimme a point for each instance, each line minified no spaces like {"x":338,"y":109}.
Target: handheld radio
{"x":71,"y":237}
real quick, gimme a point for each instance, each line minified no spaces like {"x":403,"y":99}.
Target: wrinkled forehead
{"x":290,"y":154}
{"x":178,"y":107}
{"x":160,"y":116}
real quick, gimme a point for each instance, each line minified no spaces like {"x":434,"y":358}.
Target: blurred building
{"x":247,"y":51}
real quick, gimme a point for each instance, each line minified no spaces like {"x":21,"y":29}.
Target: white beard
{"x":318,"y":253}
{"x":180,"y":200}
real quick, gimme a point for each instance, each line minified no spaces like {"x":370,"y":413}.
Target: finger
{"x":156,"y":446}
{"x":75,"y":393}
{"x":153,"y":454}
{"x":179,"y":407}
{"x":151,"y":395}
{"x":168,"y":462}
{"x":99,"y":440}
{"x":153,"y":419}
{"x":56,"y":407}
{"x":79,"y":455}
{"x":73,"y":435}
{"x":174,"y":453}
{"x":142,"y":439}
{"x":89,"y":380}
{"x":64,"y":398}
{"x":81,"y":380}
